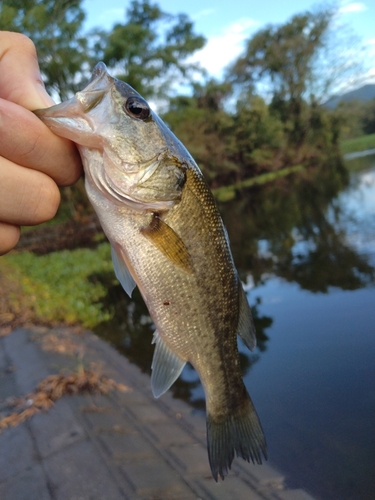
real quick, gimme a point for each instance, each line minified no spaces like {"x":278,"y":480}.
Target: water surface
{"x":305,"y":249}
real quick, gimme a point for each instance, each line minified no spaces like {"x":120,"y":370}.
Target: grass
{"x":358,"y":144}
{"x":56,"y":288}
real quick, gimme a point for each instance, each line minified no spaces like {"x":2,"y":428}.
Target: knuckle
{"x":47,"y":200}
{"x":26,"y":43}
{"x":71,"y":171}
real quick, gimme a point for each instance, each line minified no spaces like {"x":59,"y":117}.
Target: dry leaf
{"x":53,"y":388}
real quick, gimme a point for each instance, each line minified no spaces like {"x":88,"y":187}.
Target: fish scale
{"x":168,"y":238}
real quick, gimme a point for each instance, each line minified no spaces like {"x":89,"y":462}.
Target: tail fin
{"x":241,"y":434}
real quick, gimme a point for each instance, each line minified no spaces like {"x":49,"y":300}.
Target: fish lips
{"x":70,"y":119}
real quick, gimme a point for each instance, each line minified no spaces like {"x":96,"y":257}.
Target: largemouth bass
{"x":167,"y":238}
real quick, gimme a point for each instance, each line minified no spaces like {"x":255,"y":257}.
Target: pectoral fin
{"x":245,"y":329}
{"x":166,"y":367}
{"x":168,"y":242}
{"x":122,"y":272}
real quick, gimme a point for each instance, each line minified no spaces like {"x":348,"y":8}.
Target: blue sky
{"x":226,"y":24}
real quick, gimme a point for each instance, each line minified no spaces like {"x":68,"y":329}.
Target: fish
{"x":168,"y":238}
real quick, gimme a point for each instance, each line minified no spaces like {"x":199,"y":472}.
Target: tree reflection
{"x":291,"y":229}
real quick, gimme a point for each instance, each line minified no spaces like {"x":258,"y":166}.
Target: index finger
{"x":24,"y":139}
{"x":20,"y":78}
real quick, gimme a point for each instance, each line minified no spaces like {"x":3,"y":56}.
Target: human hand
{"x":33,"y":161}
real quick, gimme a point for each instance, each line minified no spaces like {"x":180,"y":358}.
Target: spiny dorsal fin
{"x":168,"y":242}
{"x":166,"y":367}
{"x":245,"y":329}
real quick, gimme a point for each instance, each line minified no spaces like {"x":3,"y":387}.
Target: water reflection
{"x":296,"y":228}
{"x":292,"y":229}
{"x":305,"y":249}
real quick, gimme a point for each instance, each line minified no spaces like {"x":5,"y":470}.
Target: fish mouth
{"x":85,"y":100}
{"x":70,"y":119}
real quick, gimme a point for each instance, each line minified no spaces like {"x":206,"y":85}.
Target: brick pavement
{"x":121,"y":446}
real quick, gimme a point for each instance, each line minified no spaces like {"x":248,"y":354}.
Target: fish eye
{"x":137,"y":108}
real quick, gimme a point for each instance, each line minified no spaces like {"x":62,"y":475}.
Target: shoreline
{"x":122,"y":445}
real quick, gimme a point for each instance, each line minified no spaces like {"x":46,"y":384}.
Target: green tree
{"x":259,"y":136}
{"x":55,"y":28}
{"x":150,"y":49}
{"x":368,"y":120}
{"x":206,"y":129}
{"x":350,"y":115}
{"x":282,"y":58}
{"x":357,"y":118}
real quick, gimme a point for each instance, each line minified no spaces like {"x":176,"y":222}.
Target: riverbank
{"x":362,"y":143}
{"x":119,"y":445}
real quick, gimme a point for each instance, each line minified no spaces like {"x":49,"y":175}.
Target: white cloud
{"x":347,"y":8}
{"x":223,"y":48}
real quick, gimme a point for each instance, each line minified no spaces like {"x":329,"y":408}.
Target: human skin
{"x":33,"y":161}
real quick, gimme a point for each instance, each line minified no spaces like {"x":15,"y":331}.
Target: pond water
{"x":305,"y":249}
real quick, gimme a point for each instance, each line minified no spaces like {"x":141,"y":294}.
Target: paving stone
{"x":129,"y":447}
{"x":29,"y":484}
{"x":7,"y":381}
{"x":27,"y":358}
{"x":294,"y":495}
{"x":154,"y":477}
{"x":148,"y":413}
{"x":229,"y":489}
{"x":79,"y":473}
{"x":176,"y":406}
{"x":133,"y":397}
{"x":3,"y":358}
{"x":17,"y":451}
{"x":238,"y":489}
{"x":266,"y":475}
{"x":168,"y":434}
{"x":192,"y":458}
{"x":56,"y":429}
{"x":122,"y":446}
{"x":101,"y":416}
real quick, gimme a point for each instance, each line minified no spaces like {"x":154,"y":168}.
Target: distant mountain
{"x":365,"y":93}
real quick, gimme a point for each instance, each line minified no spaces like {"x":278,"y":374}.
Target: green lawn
{"x":56,"y":287}
{"x":358,"y":144}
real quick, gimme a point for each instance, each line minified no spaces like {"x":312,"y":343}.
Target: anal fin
{"x":166,"y":367}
